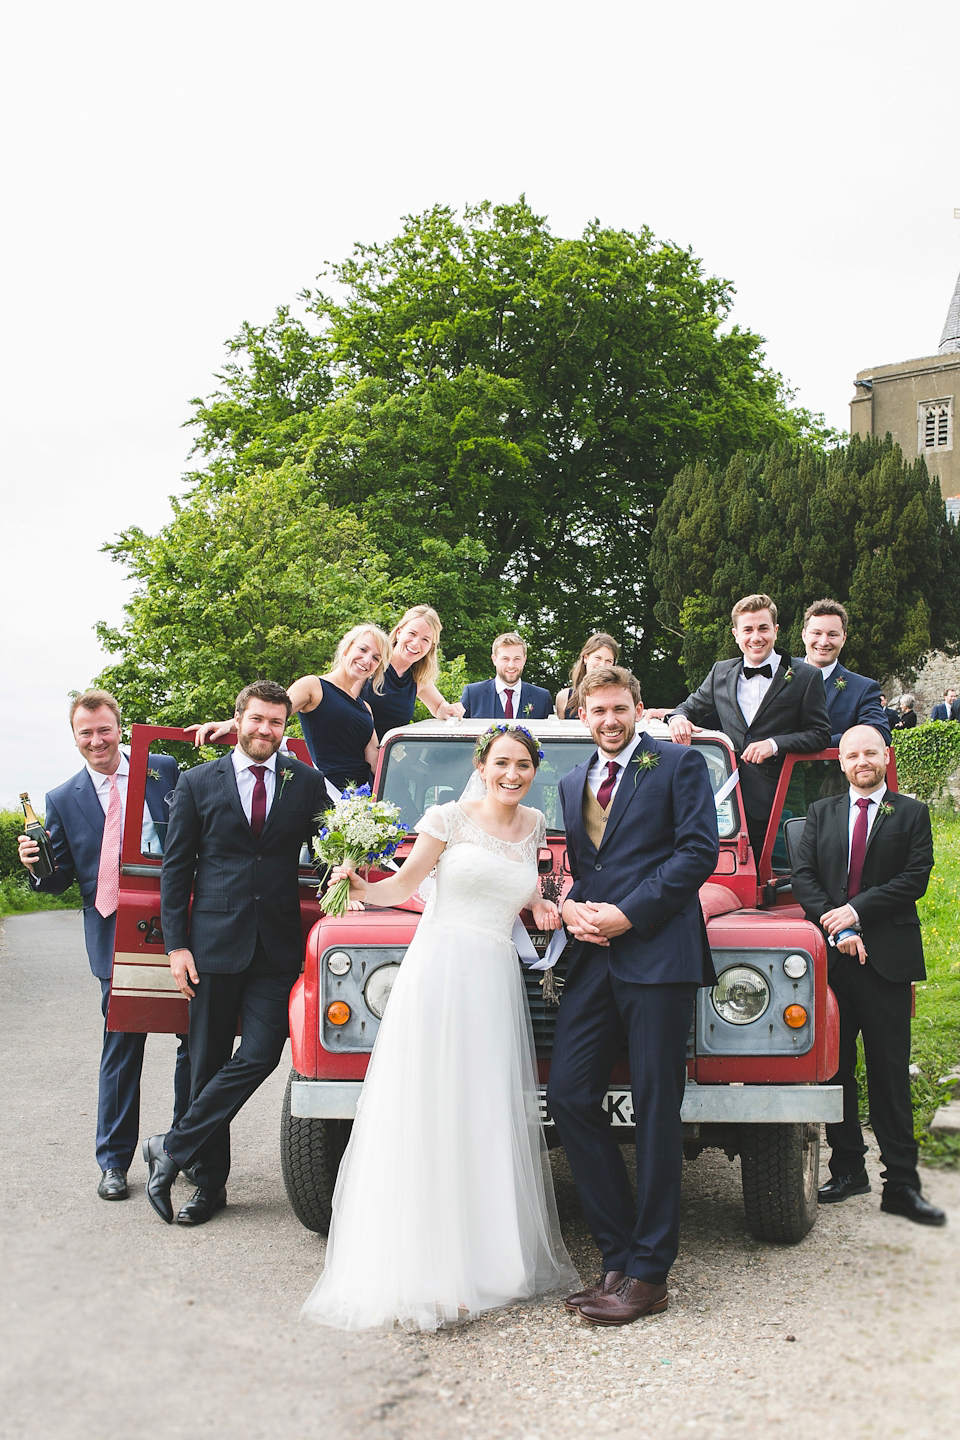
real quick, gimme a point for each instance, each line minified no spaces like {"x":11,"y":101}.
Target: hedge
{"x":927,"y":757}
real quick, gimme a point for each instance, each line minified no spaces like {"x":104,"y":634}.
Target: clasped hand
{"x":844,"y":917}
{"x":595,"y":923}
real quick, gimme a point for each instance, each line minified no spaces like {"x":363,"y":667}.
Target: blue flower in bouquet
{"x":358,"y":828}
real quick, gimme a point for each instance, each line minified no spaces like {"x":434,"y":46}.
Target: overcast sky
{"x":171,"y":171}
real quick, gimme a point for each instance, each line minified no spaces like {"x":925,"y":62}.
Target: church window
{"x":935,"y":424}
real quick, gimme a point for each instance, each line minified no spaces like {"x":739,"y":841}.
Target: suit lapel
{"x":876,"y":824}
{"x":88,"y":802}
{"x":574,"y":784}
{"x":773,"y":689}
{"x":733,"y":675}
{"x":279,"y":785}
{"x":633,"y":777}
{"x":228,"y":783}
{"x":495,"y":707}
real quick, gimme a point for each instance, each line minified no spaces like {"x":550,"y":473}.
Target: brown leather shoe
{"x":631,"y":1299}
{"x":608,"y":1281}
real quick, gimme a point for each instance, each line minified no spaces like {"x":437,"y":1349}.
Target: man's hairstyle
{"x":948,"y":690}
{"x":267,"y":690}
{"x":826,"y":607}
{"x":509,"y":637}
{"x":750,"y":603}
{"x":608,"y":677}
{"x":94,"y":700}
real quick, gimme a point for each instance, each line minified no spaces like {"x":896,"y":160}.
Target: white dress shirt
{"x":828,"y":671}
{"x":750,"y":692}
{"x":149,"y":840}
{"x":598,"y":770}
{"x":502,"y":688}
{"x":246,"y":781}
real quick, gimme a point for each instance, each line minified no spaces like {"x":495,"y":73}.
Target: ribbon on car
{"x":527,"y":953}
{"x":332,"y":791}
{"x":726,"y":788}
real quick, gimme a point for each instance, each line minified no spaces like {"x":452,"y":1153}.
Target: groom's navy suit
{"x":659,"y":846}
{"x":74,"y":817}
{"x":480,"y":701}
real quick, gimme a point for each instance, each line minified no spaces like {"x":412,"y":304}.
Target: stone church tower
{"x":917,"y":402}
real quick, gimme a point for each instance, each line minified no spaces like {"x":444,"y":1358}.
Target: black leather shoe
{"x":113,"y":1185}
{"x":841,"y":1187}
{"x":189,"y":1174}
{"x":902,"y":1200}
{"x":161,"y":1173}
{"x":202,"y":1206}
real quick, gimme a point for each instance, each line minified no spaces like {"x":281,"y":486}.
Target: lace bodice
{"x":482,"y":882}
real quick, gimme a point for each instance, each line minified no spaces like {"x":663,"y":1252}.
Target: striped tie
{"x":108,"y":876}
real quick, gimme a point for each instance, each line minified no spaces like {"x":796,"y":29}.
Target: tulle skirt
{"x":444,"y":1205}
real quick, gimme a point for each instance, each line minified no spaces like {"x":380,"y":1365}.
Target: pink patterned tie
{"x":858,"y":849}
{"x":108,"y":876}
{"x":606,"y":789}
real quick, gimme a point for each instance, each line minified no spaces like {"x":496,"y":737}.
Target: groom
{"x":641,"y":831}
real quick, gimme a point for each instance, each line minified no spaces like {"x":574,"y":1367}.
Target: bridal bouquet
{"x":357,"y":828}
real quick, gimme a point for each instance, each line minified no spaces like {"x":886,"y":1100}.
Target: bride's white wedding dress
{"x":444,"y":1203}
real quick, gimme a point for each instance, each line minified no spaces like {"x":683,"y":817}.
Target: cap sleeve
{"x":540,"y":834}
{"x":435,"y":822}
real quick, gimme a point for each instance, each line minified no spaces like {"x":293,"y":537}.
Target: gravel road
{"x":111,"y":1322}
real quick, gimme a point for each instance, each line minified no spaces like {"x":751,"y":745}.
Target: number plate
{"x":617,"y":1103}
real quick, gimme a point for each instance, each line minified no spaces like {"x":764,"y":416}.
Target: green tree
{"x":856,"y":524}
{"x":258,"y":582}
{"x":504,"y":410}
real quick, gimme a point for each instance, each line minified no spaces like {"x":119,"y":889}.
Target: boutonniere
{"x":153,"y":774}
{"x":528,"y":711}
{"x":788,"y":675}
{"x":885,"y":808}
{"x":645,"y":760}
{"x":839,"y":684}
{"x":284,"y":777}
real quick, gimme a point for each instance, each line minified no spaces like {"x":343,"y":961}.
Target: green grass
{"x":16,"y":897}
{"x":936,"y":1027}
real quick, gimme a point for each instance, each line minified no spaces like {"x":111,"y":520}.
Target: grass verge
{"x":936,"y":1027}
{"x":16,"y":897}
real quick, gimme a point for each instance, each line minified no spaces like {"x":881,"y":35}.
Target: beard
{"x":257,"y":748}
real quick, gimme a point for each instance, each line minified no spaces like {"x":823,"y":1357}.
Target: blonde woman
{"x":600,"y":649}
{"x":411,"y":674}
{"x":337,"y":724}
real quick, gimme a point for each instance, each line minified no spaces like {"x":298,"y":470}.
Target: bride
{"x":444,"y":1203}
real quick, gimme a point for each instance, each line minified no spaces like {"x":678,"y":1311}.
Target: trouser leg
{"x":588,"y":1039}
{"x":201,"y":1140}
{"x":885,"y":1017}
{"x":181,"y":1079}
{"x":657,"y":1020}
{"x":845,"y":1138}
{"x":118,"y":1102}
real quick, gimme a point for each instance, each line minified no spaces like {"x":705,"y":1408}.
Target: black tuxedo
{"x":659,"y":846}
{"x":874,"y":998}
{"x":793,"y":712}
{"x":244,"y":933}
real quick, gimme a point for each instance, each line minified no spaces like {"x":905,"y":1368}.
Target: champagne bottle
{"x":45,"y":863}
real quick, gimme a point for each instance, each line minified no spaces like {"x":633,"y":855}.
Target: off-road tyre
{"x":310,"y":1155}
{"x":779,"y":1166}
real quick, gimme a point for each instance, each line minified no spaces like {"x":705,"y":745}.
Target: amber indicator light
{"x":338,"y":1013}
{"x":795,"y":1016}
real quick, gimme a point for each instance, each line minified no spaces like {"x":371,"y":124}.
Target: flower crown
{"x":502,"y":728}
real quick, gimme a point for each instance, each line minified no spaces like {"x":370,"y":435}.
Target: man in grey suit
{"x":236,"y":828}
{"x":766,"y":705}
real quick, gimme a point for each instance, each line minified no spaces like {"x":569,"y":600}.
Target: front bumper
{"x":702,"y":1104}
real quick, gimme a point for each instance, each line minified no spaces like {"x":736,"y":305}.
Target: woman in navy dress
{"x":337,"y":724}
{"x":411,"y":674}
{"x":600,"y":649}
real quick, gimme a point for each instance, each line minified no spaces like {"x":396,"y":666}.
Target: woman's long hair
{"x":426,"y":668}
{"x":597,"y":641}
{"x":382,"y":639}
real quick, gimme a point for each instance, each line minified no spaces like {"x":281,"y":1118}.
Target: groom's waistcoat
{"x":594,"y":817}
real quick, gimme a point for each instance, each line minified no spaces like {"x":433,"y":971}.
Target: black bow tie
{"x":765,"y":670}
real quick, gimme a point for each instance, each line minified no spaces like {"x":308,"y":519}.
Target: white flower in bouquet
{"x":357,"y":828}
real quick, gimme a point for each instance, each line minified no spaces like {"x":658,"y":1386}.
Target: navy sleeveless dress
{"x":395,"y":706}
{"x":337,"y":732}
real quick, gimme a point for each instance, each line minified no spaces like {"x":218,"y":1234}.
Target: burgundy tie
{"x":508,"y":704}
{"x":606,"y":789}
{"x":858,"y":849}
{"x":258,"y":810}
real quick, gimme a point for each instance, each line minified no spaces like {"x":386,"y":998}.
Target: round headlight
{"x":339,"y":962}
{"x":795,"y":966}
{"x":741,"y":995}
{"x":376,"y":992}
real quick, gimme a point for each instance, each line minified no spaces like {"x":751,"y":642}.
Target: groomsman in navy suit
{"x":506,"y":697}
{"x":948,"y":708}
{"x":641,"y":830}
{"x":852,"y":699}
{"x":84,"y":819}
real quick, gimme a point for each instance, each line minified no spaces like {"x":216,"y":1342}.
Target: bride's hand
{"x":358,"y":886}
{"x":546,"y":916}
